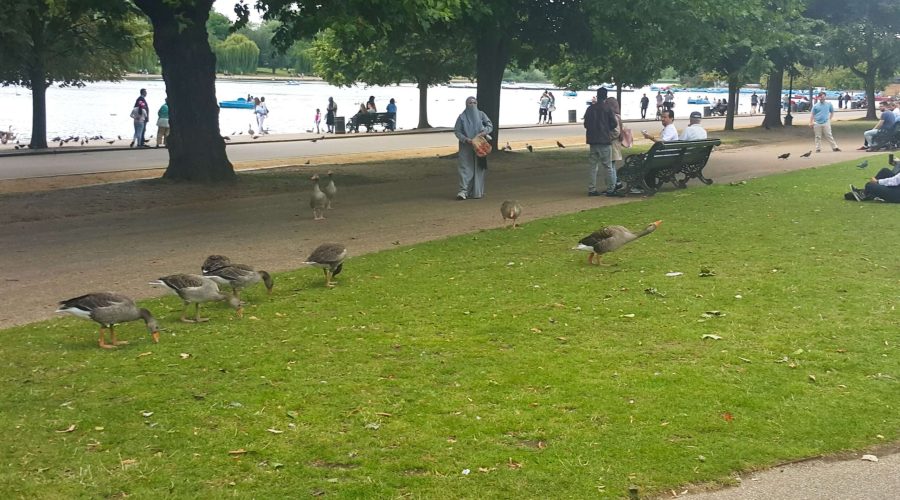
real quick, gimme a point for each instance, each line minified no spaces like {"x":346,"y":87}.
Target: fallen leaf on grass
{"x":711,"y":314}
{"x":184,"y":355}
{"x":536,"y":330}
{"x":629,"y":315}
{"x":812,"y":377}
{"x":728,"y":416}
{"x":239,"y":451}
{"x":869,"y":458}
{"x":654,"y":291}
{"x":67,"y":429}
{"x":710,"y":336}
{"x":275,"y":431}
{"x":706,"y":272}
{"x":129,"y":462}
{"x":383,"y":414}
{"x":512,"y":464}
{"x":674,"y":273}
{"x":147,"y":413}
{"x":292,"y":414}
{"x":141,"y":355}
{"x":254,"y":318}
{"x":373,"y":425}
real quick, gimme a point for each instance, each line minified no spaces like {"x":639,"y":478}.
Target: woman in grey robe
{"x":471,"y":123}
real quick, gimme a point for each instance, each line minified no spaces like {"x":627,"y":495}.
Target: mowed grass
{"x":493,"y":365}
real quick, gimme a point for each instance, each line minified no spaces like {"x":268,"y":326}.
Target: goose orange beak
{"x":657,"y":223}
{"x":155,"y":336}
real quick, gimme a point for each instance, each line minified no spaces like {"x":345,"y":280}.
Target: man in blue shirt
{"x":820,"y":121}
{"x":885,"y":124}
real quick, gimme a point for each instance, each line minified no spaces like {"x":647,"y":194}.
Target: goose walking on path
{"x":318,"y":201}
{"x":330,"y":257}
{"x":609,"y":239}
{"x":109,"y":309}
{"x":194,"y":289}
{"x":330,"y":190}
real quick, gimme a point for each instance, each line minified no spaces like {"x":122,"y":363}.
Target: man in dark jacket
{"x":601,"y":126}
{"x":137,"y":104}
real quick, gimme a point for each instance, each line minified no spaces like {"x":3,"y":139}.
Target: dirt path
{"x":64,"y":242}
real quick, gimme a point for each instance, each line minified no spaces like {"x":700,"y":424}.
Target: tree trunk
{"x":619,"y":95}
{"x":196,"y":147}
{"x":733,"y":89}
{"x":773,"y":99}
{"x":423,"y":106}
{"x":492,"y":57}
{"x":869,"y":82}
{"x":38,"y":108}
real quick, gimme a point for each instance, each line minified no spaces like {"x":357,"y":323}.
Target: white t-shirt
{"x":693,"y":133}
{"x":669,"y":133}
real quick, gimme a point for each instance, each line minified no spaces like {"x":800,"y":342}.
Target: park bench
{"x":665,"y":162}
{"x":369,"y":120}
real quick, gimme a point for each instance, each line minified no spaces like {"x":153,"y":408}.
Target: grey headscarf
{"x":471,"y":118}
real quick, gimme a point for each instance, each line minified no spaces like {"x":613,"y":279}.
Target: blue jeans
{"x":139,"y":133}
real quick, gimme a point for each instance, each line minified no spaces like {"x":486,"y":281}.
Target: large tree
{"x":864,"y":38}
{"x":65,"y":42}
{"x":196,"y":147}
{"x":426,"y":59}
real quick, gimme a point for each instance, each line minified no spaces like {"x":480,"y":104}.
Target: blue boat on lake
{"x":239,"y":103}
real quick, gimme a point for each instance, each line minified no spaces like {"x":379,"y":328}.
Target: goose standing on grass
{"x":194,"y":289}
{"x":510,"y":209}
{"x":330,"y":257}
{"x":238,"y":277}
{"x":214,"y":262}
{"x":610,"y":238}
{"x":109,"y":309}
{"x":318,"y":201}
{"x":330,"y":190}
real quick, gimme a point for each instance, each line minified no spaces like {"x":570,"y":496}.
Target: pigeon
{"x":864,"y":164}
{"x":61,"y":143}
{"x":510,"y":209}
{"x":784,"y":156}
{"x":560,"y":144}
{"x":530,"y":148}
{"x":806,"y":154}
{"x":111,"y":141}
{"x":255,"y":137}
{"x":507,"y":147}
{"x":226,"y":138}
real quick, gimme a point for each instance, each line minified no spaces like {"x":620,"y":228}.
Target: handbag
{"x":627,"y":138}
{"x":481,"y":146}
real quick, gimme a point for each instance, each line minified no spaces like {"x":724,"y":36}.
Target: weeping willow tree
{"x":237,"y":54}
{"x":143,"y":56}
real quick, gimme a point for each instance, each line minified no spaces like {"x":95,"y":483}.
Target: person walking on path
{"x":318,"y":119}
{"x":754,"y":103}
{"x":472,"y":124}
{"x":645,"y":103}
{"x":162,"y":124}
{"x":820,"y":121}
{"x":141,"y":102}
{"x":543,"y":105}
{"x":600,"y":128}
{"x":330,"y":112}
{"x":262,"y":112}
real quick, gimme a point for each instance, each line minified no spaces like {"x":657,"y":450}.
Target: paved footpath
{"x":49,"y":258}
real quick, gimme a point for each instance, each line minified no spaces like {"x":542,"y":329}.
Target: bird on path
{"x":313,"y":140}
{"x":238,"y":277}
{"x":507,"y":147}
{"x":330,"y":190}
{"x":806,"y":154}
{"x":307,"y":162}
{"x":318,"y":201}
{"x":61,"y":143}
{"x":784,"y":156}
{"x":530,"y":148}
{"x":610,"y":238}
{"x":194,"y":289}
{"x":111,"y":141}
{"x":864,"y":164}
{"x":255,"y":137}
{"x":560,"y":144}
{"x":250,"y":129}
{"x":330,"y":257}
{"x":109,"y":309}
{"x":510,"y":209}
{"x":120,"y":137}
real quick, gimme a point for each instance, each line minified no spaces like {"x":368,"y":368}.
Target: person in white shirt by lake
{"x":669,"y":132}
{"x":262,"y":111}
{"x":694,"y":131}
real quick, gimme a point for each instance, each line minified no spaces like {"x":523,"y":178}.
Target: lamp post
{"x":788,"y":119}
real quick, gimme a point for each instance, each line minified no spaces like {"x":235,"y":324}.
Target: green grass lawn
{"x":493,"y":365}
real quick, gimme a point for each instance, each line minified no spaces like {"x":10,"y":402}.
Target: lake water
{"x":102,"y":108}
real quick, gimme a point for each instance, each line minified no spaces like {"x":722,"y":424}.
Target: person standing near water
{"x":162,"y":124}
{"x":141,"y":102}
{"x":318,"y":119}
{"x":262,"y":111}
{"x":645,"y":103}
{"x":472,"y":123}
{"x":330,"y":112}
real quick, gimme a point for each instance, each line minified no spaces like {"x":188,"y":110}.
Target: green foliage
{"x":143,"y":56}
{"x":501,"y":352}
{"x":530,"y":74}
{"x":237,"y":54}
{"x":63,"y":41}
{"x":218,"y":26}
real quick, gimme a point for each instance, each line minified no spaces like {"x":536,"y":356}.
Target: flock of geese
{"x":109,"y":309}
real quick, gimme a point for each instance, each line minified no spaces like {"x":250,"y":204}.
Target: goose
{"x":330,"y":257}
{"x":330,"y":190}
{"x":510,"y":209}
{"x":238,"y":277}
{"x":194,"y":289}
{"x":318,"y":201}
{"x":109,"y":309}
{"x":610,"y":238}
{"x":214,"y":262}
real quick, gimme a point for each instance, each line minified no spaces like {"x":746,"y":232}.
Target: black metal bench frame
{"x":369,"y":120}
{"x":665,"y":162}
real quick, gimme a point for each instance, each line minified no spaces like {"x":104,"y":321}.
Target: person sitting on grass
{"x":885,"y":186}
